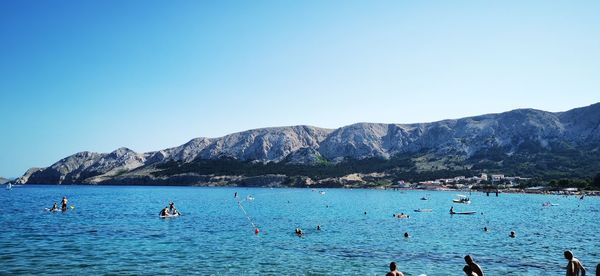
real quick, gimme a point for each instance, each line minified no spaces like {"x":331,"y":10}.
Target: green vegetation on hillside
{"x":559,"y":167}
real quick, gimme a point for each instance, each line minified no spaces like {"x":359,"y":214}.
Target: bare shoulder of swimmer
{"x":477,"y":270}
{"x":580,"y":266}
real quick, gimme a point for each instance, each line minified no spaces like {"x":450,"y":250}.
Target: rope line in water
{"x":246,"y":214}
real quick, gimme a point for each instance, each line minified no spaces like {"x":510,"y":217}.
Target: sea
{"x":117,"y":230}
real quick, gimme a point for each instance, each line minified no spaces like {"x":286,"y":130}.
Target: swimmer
{"x":406,"y":235}
{"x":394,"y":270}
{"x":402,"y":215}
{"x":319,"y":227}
{"x":485,"y":229}
{"x":469,"y":271}
{"x":512,"y":234}
{"x":475,"y":268}
{"x":574,"y":267}
{"x":164,"y":212}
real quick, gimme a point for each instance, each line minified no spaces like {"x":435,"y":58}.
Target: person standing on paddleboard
{"x":64,"y":203}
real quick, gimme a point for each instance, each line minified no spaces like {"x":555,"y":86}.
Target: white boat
{"x":462,"y":199}
{"x":8,"y":186}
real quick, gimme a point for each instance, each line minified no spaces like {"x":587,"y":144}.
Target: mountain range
{"x":525,"y":142}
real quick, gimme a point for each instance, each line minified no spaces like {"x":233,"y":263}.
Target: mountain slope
{"x":524,"y":141}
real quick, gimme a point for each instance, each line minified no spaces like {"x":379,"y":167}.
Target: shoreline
{"x":593,"y":193}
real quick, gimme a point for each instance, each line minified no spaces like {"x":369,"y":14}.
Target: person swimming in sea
{"x":475,"y":268}
{"x":394,"y":270}
{"x":299,"y":232}
{"x":469,"y":271}
{"x":406,"y":235}
{"x":402,"y":216}
{"x":574,"y":267}
{"x":512,"y":234}
{"x":64,"y":203}
{"x":164,"y":212}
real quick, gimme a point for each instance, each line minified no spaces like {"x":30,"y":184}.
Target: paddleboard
{"x":464,"y":213}
{"x":169,"y":216}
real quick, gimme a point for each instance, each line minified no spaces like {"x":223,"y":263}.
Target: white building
{"x":497,"y":177}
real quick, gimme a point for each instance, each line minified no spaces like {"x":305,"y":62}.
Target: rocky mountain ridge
{"x":444,"y":145}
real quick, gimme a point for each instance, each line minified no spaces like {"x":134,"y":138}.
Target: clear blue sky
{"x":98,"y":75}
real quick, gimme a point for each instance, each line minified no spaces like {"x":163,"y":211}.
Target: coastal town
{"x":483,"y":181}
{"x":489,"y":183}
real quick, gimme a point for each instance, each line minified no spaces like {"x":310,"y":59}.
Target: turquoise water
{"x":116,"y":230}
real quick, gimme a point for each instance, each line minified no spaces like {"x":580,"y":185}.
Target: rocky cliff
{"x":466,"y":143}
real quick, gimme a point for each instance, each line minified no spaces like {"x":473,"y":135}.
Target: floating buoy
{"x":256,"y":231}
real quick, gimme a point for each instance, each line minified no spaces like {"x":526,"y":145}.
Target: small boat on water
{"x":322,"y":192}
{"x":8,"y":186}
{"x":424,"y":198}
{"x":548,"y":204}
{"x":423,"y":210}
{"x":462,"y":199}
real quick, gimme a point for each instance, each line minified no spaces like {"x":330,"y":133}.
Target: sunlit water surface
{"x":116,"y":230}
